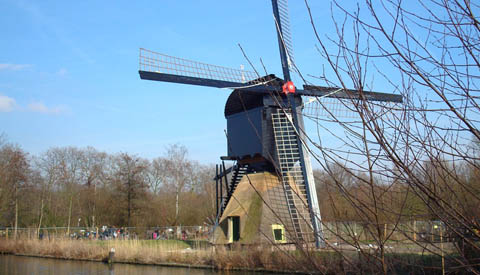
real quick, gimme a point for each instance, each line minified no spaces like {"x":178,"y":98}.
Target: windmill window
{"x":278,"y":233}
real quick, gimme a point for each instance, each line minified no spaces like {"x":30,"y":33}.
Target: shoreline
{"x":18,"y":248}
{"x":175,"y":253}
{"x":105,"y":262}
{"x":164,"y":264}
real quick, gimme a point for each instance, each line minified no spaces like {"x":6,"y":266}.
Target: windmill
{"x":265,"y":130}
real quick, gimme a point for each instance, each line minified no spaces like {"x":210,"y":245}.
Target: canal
{"x":21,"y":265}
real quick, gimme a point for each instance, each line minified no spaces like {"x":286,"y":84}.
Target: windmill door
{"x":233,"y":229}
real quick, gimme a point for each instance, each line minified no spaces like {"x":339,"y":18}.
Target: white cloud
{"x":39,"y":107}
{"x":62,"y":72}
{"x":14,"y":67}
{"x":7,"y":104}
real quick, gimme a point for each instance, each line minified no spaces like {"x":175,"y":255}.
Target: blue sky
{"x":68,"y":70}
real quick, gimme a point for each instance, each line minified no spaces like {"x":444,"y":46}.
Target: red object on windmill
{"x":288,"y":87}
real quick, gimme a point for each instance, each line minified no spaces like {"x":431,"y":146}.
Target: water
{"x":20,"y":265}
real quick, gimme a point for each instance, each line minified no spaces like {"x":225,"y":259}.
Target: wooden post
{"x":216,"y":193}
{"x":16,"y":213}
{"x":432,"y":233}
{"x":441,"y":247}
{"x":385,"y":231}
{"x":355,"y":231}
{"x":414,"y":231}
{"x":221,"y":191}
{"x":7,"y":233}
{"x":111,"y":255}
{"x":336,"y":230}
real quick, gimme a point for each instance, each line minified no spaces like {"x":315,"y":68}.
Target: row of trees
{"x":85,"y":187}
{"x":348,"y":195}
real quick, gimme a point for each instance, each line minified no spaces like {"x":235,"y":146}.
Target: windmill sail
{"x":162,"y":67}
{"x":283,"y":25}
{"x":304,"y":176}
{"x":292,"y":178}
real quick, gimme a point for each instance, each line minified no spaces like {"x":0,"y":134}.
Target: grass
{"x":164,"y":252}
{"x":163,"y":245}
{"x":177,"y":252}
{"x":57,"y":248}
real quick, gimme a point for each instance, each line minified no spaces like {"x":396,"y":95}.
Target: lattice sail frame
{"x":337,"y":108}
{"x":284,"y":15}
{"x":151,"y":61}
{"x":291,"y":175}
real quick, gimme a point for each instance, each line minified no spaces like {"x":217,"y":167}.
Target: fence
{"x":184,"y":233}
{"x":426,"y":231}
{"x":418,"y":231}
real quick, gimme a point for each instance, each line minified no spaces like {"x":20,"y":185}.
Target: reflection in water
{"x":19,"y":265}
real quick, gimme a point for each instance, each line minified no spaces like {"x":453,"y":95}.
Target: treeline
{"x":348,"y":195}
{"x":71,"y":187}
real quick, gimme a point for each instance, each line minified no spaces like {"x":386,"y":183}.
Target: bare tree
{"x":69,"y":170}
{"x":428,"y":52}
{"x":92,"y":168}
{"x":179,"y":173}
{"x":205,"y":187}
{"x":156,"y":175}
{"x":47,"y":166}
{"x":14,"y":171}
{"x":130,"y":176}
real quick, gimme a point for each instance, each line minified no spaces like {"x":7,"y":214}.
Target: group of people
{"x":170,"y":233}
{"x":156,"y":235}
{"x":114,"y":233}
{"x":122,"y":233}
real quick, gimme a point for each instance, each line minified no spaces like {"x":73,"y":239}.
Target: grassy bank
{"x":173,"y":252}
{"x":176,"y":252}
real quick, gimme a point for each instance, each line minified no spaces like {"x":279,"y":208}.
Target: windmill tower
{"x":266,"y":141}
